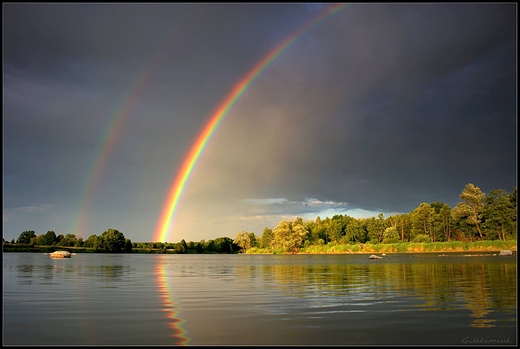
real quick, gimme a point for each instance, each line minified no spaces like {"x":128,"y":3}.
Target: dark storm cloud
{"x":62,"y":39}
{"x":402,"y":105}
{"x":379,"y":107}
{"x":55,"y":40}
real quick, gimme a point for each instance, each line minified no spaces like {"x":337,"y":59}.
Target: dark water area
{"x":138,"y":299}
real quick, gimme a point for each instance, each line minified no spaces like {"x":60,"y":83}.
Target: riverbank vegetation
{"x":477,"y":223}
{"x":332,"y":248}
{"x":405,"y":247}
{"x":488,"y":220}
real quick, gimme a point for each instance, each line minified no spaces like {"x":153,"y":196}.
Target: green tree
{"x":200,"y":246}
{"x":512,"y":198}
{"x":79,"y":242}
{"x":266,"y":238}
{"x":288,"y":236}
{"x":184,"y":245}
{"x":422,"y":220}
{"x":462,"y":230}
{"x":472,"y":206}
{"x":128,"y":245}
{"x":499,"y":213}
{"x":441,"y":222}
{"x":447,"y":224}
{"x":245,"y":240}
{"x":181,"y":247}
{"x":404,"y":227}
{"x":354,"y":231}
{"x":209,"y":246}
{"x":93,"y":241}
{"x":223,"y":245}
{"x":59,"y":239}
{"x":390,"y":236}
{"x":38,"y":240}
{"x":318,"y":231}
{"x":68,"y":240}
{"x":49,"y":238}
{"x":375,"y":228}
{"x":113,"y":240}
{"x":334,"y":228}
{"x":25,"y":237}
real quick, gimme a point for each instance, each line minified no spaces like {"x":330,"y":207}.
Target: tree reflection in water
{"x":481,"y":288}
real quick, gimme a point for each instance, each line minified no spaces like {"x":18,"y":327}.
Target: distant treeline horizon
{"x":477,"y":217}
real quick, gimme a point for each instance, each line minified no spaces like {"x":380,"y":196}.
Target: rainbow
{"x":114,"y":128}
{"x":109,"y":138}
{"x":174,"y":195}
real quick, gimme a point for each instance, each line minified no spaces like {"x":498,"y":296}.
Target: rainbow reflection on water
{"x":165,"y":285}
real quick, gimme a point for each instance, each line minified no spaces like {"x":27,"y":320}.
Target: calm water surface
{"x":137,"y":299}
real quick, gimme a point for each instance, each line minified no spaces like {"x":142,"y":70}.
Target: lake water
{"x":138,"y":299}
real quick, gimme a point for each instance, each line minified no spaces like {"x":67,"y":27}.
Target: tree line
{"x":218,"y":245}
{"x":475,"y":217}
{"x":112,"y":240}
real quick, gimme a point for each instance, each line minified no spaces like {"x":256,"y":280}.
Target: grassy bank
{"x":407,"y":247}
{"x":331,"y":248}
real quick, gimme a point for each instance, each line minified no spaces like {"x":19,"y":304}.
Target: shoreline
{"x":487,"y":247}
{"x":476,"y":252}
{"x":403,"y":248}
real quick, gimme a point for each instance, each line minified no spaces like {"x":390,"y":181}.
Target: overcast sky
{"x":374,"y":110}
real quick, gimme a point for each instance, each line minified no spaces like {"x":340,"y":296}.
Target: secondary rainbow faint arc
{"x":236,"y":92}
{"x":115,"y":126}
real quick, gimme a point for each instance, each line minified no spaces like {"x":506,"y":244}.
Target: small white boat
{"x":60,"y":254}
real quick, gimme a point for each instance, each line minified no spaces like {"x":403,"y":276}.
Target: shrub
{"x":390,"y":236}
{"x":422,"y":238}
